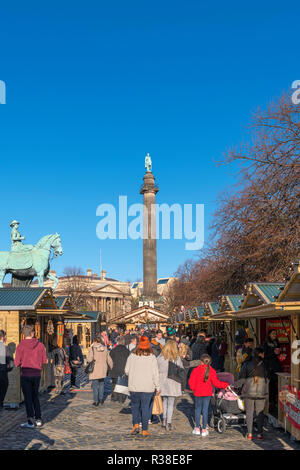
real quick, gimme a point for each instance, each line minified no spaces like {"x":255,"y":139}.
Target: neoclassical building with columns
{"x":100,"y":293}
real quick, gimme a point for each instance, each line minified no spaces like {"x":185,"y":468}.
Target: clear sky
{"x":93,"y":86}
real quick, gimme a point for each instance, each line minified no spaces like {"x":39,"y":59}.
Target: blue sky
{"x":93,"y":86}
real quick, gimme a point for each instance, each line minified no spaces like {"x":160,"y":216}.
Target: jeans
{"x":141,"y":408}
{"x":98,"y":389}
{"x":30,"y":389}
{"x":168,"y":403}
{"x":258,"y":406}
{"x":3,"y":386}
{"x":201,"y":408}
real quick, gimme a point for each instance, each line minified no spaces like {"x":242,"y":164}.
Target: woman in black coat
{"x":119,"y":355}
{"x":272,"y":350}
{"x":76,"y":359}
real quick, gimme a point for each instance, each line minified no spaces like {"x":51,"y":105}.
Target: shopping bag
{"x":122,"y":385}
{"x":158,"y":408}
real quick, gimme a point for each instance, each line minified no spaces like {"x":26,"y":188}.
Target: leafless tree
{"x":77,"y":286}
{"x":256,"y":229}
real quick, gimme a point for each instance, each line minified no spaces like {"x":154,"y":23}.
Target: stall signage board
{"x":289,"y":399}
{"x":280,"y":329}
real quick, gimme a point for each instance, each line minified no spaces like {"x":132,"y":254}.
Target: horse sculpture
{"x":35,"y":262}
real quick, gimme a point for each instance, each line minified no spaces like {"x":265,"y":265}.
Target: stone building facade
{"x":101,"y":293}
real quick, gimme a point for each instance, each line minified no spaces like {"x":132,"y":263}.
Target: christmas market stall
{"x":84,"y":324}
{"x":143,"y":316}
{"x":276,"y":306}
{"x":35,"y":306}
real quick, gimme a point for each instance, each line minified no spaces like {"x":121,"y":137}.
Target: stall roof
{"x":213,"y":307}
{"x":90,"y":317}
{"x":291,"y":290}
{"x":231,"y":302}
{"x":62,"y":301}
{"x":269,"y":291}
{"x":24,"y":298}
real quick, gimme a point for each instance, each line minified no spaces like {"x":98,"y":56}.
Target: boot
{"x":145,"y":433}
{"x":136,"y":429}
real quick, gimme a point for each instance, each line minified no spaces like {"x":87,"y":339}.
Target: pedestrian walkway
{"x":71,"y":422}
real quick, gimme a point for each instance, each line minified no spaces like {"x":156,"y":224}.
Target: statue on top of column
{"x":148,"y":162}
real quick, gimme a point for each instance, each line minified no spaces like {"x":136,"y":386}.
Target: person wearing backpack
{"x":254,"y":378}
{"x":201,"y":383}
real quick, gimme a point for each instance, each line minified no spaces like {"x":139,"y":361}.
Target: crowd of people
{"x":151,"y":369}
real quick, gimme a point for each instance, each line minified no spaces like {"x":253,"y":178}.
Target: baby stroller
{"x":228,"y":408}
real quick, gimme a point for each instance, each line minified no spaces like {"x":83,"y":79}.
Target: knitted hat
{"x":144,"y":343}
{"x":170,"y":331}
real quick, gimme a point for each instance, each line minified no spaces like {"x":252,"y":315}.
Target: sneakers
{"x":28,"y":424}
{"x":38,"y":423}
{"x":249,"y":437}
{"x":197,"y":431}
{"x":259,"y":437}
{"x":204,"y":432}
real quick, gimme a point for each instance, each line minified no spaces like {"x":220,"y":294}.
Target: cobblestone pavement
{"x":71,"y":422}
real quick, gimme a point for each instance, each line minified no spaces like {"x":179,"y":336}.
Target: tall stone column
{"x":149,"y":191}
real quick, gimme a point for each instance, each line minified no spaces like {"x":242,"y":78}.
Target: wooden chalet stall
{"x":85,"y":325}
{"x":276,"y":306}
{"x":220,"y":322}
{"x":189,"y":321}
{"x":36,"y":306}
{"x":145,"y":316}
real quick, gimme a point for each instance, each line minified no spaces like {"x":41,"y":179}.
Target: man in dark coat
{"x":76,"y":359}
{"x":199,"y":348}
{"x":119,"y":355}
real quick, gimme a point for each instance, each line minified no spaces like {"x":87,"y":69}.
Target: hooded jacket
{"x":254,"y":379}
{"x":201,"y":388}
{"x":199,"y":348}
{"x":102,"y":359}
{"x":30,"y":356}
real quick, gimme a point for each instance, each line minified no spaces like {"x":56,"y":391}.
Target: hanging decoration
{"x":60,"y":334}
{"x":21,"y":329}
{"x":50,"y":328}
{"x":37,"y":330}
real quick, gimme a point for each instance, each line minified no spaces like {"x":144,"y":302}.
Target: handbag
{"x":122,"y":385}
{"x":177,"y":373}
{"x":158,"y":408}
{"x":90,"y":366}
{"x":67,"y":366}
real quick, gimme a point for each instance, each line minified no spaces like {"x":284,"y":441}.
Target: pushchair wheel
{"x":221,"y":425}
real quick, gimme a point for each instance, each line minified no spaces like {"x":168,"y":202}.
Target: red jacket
{"x":201,"y":388}
{"x":30,"y":354}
